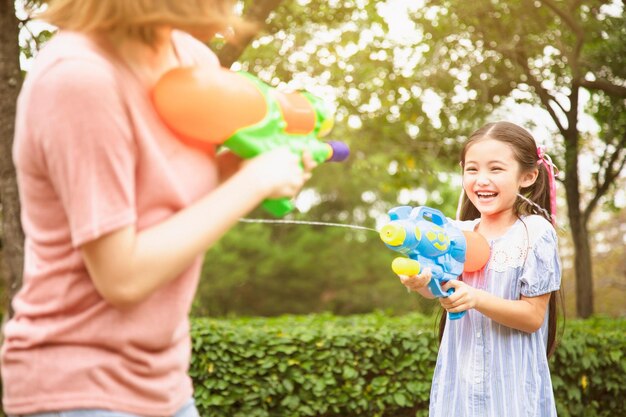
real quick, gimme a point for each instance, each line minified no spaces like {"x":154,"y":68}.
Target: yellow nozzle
{"x":392,"y":234}
{"x":405,"y":266}
{"x":325,"y":128}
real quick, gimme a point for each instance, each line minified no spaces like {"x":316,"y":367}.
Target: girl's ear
{"x":529,"y":178}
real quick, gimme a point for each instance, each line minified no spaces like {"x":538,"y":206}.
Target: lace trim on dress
{"x":505,"y":257}
{"x":510,"y":250}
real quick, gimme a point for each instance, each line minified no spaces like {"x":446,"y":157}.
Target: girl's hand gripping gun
{"x":206,"y":107}
{"x":429,"y":240}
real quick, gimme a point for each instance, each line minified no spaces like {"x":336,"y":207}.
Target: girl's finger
{"x":452,"y":284}
{"x":458,"y":309}
{"x":445,"y":302}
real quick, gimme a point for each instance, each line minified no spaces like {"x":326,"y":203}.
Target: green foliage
{"x":374,"y":365}
{"x":406,"y":103}
{"x":540,"y":53}
{"x":313,"y":365}
{"x":589,"y":368}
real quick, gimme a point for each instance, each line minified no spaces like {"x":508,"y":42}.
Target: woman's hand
{"x":280,"y":173}
{"x":465,"y":297}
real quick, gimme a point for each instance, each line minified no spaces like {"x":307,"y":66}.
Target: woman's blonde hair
{"x":139,"y":18}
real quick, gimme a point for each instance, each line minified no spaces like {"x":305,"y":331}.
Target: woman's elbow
{"x":121,"y":297}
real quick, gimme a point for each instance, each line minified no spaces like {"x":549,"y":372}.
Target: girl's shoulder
{"x":537,"y":221}
{"x":527,"y":232}
{"x":465,"y":225}
{"x":538,"y":229}
{"x":529,"y":236}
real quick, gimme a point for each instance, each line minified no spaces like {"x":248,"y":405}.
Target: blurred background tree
{"x":11,"y":234}
{"x":410,"y":86}
{"x":410,"y":80}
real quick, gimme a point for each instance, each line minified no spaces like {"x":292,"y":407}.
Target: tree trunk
{"x":257,"y":13}
{"x":584,"y":283}
{"x":580,"y":236}
{"x":11,"y":81}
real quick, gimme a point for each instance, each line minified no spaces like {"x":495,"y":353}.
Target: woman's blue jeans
{"x":188,"y":410}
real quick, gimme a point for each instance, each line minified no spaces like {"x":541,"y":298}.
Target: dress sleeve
{"x":541,"y":273}
{"x":87,"y":142}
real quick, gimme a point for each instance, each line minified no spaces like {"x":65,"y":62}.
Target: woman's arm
{"x":127,"y":266}
{"x":526,"y":314}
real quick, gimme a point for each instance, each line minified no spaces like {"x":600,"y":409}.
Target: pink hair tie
{"x":541,"y":152}
{"x":545,"y":159}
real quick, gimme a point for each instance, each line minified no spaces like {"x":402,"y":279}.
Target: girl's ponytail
{"x":552,"y":172}
{"x":540,"y":198}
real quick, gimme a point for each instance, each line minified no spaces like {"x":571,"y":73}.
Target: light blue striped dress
{"x":485,"y":369}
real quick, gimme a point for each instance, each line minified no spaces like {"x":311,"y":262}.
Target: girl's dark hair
{"x":537,"y":196}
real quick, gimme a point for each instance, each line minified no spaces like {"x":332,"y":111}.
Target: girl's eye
{"x":496,"y":169}
{"x":470,"y":169}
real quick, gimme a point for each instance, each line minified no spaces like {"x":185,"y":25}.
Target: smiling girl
{"x":494,"y":361}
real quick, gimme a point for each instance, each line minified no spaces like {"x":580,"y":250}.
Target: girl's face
{"x":492,"y":177}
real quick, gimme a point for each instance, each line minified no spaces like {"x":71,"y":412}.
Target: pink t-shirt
{"x":92,"y":156}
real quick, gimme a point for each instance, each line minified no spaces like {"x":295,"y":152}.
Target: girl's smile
{"x":492,"y":178}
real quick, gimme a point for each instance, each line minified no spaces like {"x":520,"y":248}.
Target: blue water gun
{"x":428,"y":240}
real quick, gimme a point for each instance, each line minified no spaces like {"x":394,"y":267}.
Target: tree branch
{"x":544,"y":95}
{"x":611,"y":172}
{"x":606,"y":86}
{"x":578,"y":30}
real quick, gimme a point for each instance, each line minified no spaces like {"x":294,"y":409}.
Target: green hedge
{"x":588,"y":369}
{"x":373,"y":365}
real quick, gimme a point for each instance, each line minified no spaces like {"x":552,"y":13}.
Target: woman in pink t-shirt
{"x":118,"y":212}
